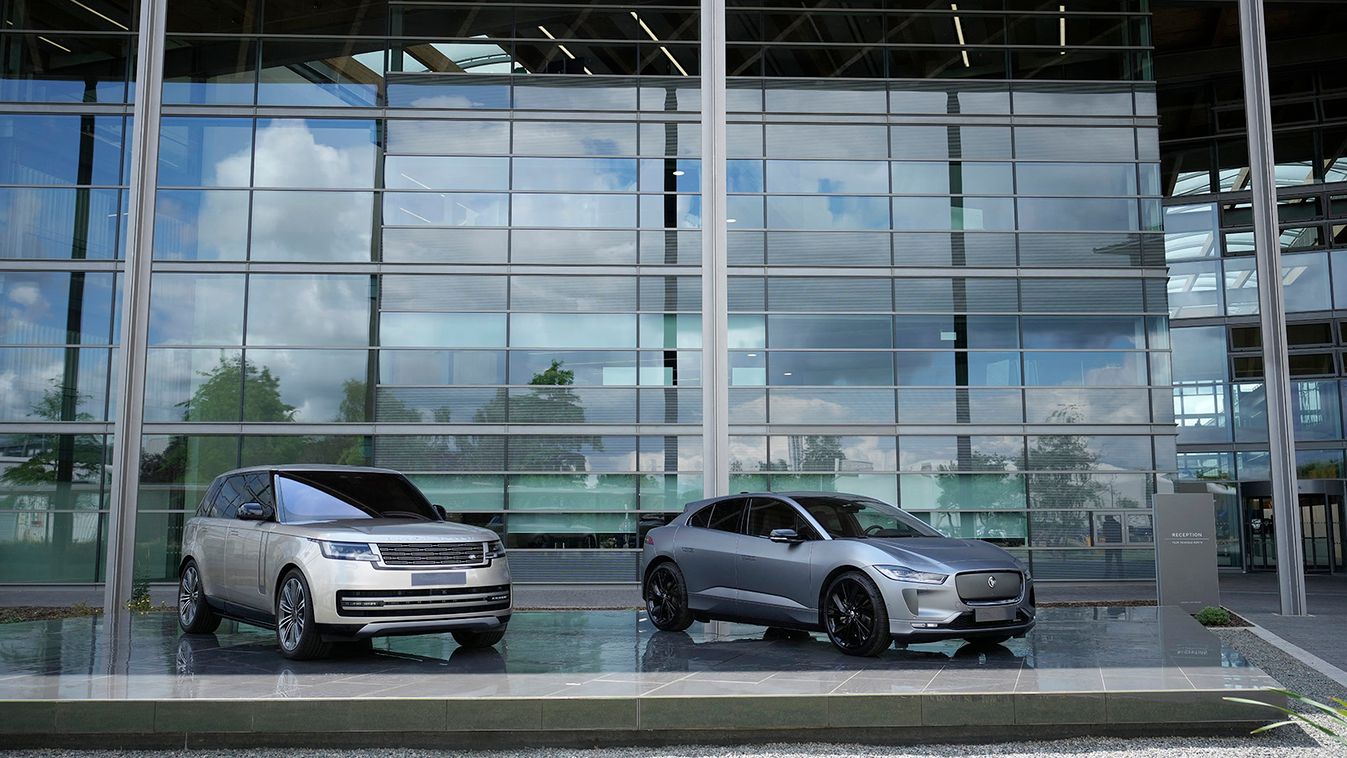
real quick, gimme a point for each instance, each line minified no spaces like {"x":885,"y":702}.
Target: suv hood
{"x":392,"y":530}
{"x":944,"y":554}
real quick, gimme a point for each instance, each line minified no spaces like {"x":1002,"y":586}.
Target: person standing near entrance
{"x":1110,"y":533}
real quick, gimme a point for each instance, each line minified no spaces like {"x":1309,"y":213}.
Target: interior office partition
{"x":471,"y":241}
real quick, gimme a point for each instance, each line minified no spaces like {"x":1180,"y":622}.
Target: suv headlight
{"x":495,"y":549}
{"x":905,"y":574}
{"x":348,"y":551}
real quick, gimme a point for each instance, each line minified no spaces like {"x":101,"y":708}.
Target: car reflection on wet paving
{"x":597,"y":653}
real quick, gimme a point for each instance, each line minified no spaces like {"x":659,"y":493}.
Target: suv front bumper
{"x":358,"y":599}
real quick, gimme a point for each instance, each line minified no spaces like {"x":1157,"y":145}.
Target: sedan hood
{"x":944,"y":554}
{"x":392,"y":530}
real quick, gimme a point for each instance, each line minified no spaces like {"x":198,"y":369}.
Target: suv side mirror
{"x":788,"y":536}
{"x":439,"y":509}
{"x":253,"y":512}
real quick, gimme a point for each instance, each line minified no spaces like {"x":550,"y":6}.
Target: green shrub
{"x":140,"y":601}
{"x":1213,"y":616}
{"x":1337,"y":714}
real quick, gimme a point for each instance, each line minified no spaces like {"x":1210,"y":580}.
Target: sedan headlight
{"x":495,"y":549}
{"x":905,"y":574}
{"x":348,"y":551}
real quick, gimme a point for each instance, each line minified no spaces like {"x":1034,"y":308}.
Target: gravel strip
{"x":1292,"y":674}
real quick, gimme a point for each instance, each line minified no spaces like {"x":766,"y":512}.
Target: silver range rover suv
{"x":324,"y":554}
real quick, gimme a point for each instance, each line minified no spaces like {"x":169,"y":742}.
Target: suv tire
{"x":474,"y":640}
{"x":296,"y":634}
{"x":195,"y":616}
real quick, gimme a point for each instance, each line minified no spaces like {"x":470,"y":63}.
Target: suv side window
{"x":728,"y":515}
{"x":765,"y":514}
{"x":233,"y":493}
{"x":206,"y":509}
{"x":257,"y":486}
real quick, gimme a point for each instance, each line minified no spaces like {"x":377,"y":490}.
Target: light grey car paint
{"x":241,"y":563}
{"x":782,"y":584}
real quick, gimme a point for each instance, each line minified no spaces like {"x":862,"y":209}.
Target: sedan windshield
{"x":861,"y":518}
{"x":334,"y":495}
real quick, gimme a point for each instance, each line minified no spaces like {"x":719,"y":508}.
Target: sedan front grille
{"x":432,"y":553}
{"x":989,"y":586}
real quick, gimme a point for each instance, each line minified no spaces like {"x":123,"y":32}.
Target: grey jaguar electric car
{"x":333,"y":553}
{"x":861,"y":570}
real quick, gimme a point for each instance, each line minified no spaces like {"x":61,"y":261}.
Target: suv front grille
{"x":432,"y":553}
{"x":443,"y":601}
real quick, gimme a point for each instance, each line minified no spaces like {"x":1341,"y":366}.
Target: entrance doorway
{"x":1321,"y":527}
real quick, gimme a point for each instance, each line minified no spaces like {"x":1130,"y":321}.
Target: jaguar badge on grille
{"x":991,"y":582}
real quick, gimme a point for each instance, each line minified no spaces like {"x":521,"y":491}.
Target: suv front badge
{"x":991,"y":582}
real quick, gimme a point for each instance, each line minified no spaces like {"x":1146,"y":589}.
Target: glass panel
{"x":573,"y":330}
{"x":203,"y":71}
{"x":442,"y":330}
{"x":63,"y":68}
{"x":320,"y":72}
{"x":308,"y":309}
{"x":205,"y":152}
{"x":198,"y":309}
{"x":197,"y":385}
{"x":203,"y":225}
{"x":315,"y":153}
{"x":344,"y":234}
{"x":53,"y":223}
{"x":313,"y":386}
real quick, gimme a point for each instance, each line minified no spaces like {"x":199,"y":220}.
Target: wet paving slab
{"x":574,"y":672}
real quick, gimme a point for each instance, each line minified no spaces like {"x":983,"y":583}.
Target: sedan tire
{"x":477,"y":640}
{"x":296,"y":634}
{"x":666,"y":598}
{"x":195,"y":616}
{"x":854,"y":615}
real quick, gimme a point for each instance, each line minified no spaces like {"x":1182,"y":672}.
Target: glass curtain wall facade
{"x":464,"y":240}
{"x":1213,"y":290}
{"x":66,"y":83}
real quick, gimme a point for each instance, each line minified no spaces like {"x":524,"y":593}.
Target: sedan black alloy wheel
{"x":854,"y":615}
{"x":666,"y":600}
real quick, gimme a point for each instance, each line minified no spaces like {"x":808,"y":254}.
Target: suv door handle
{"x":687,"y":550}
{"x":748,"y":557}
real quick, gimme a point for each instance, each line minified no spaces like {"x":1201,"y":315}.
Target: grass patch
{"x":23,"y":613}
{"x":1219,"y":617}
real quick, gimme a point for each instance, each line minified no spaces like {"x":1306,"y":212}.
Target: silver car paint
{"x":775,"y":582}
{"x":241,"y":562}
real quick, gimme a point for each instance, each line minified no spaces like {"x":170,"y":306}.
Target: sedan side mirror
{"x":788,"y":536}
{"x":253,"y":512}
{"x":440,"y":511}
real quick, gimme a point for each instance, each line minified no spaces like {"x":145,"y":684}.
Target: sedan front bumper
{"x":926,"y":612}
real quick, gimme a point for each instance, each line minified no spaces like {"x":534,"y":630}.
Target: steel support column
{"x":1271,"y":310}
{"x":135,"y":311}
{"x":715,"y":278}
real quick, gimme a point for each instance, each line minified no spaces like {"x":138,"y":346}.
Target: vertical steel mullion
{"x":135,"y":307}
{"x":715,"y":271}
{"x":1271,"y":311}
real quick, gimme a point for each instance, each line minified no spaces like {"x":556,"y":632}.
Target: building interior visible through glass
{"x":464,"y":240}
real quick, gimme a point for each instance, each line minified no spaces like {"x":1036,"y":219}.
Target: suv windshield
{"x":859,"y":518}
{"x":334,"y":495}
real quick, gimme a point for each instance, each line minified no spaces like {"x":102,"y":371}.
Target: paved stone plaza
{"x":1111,"y":669}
